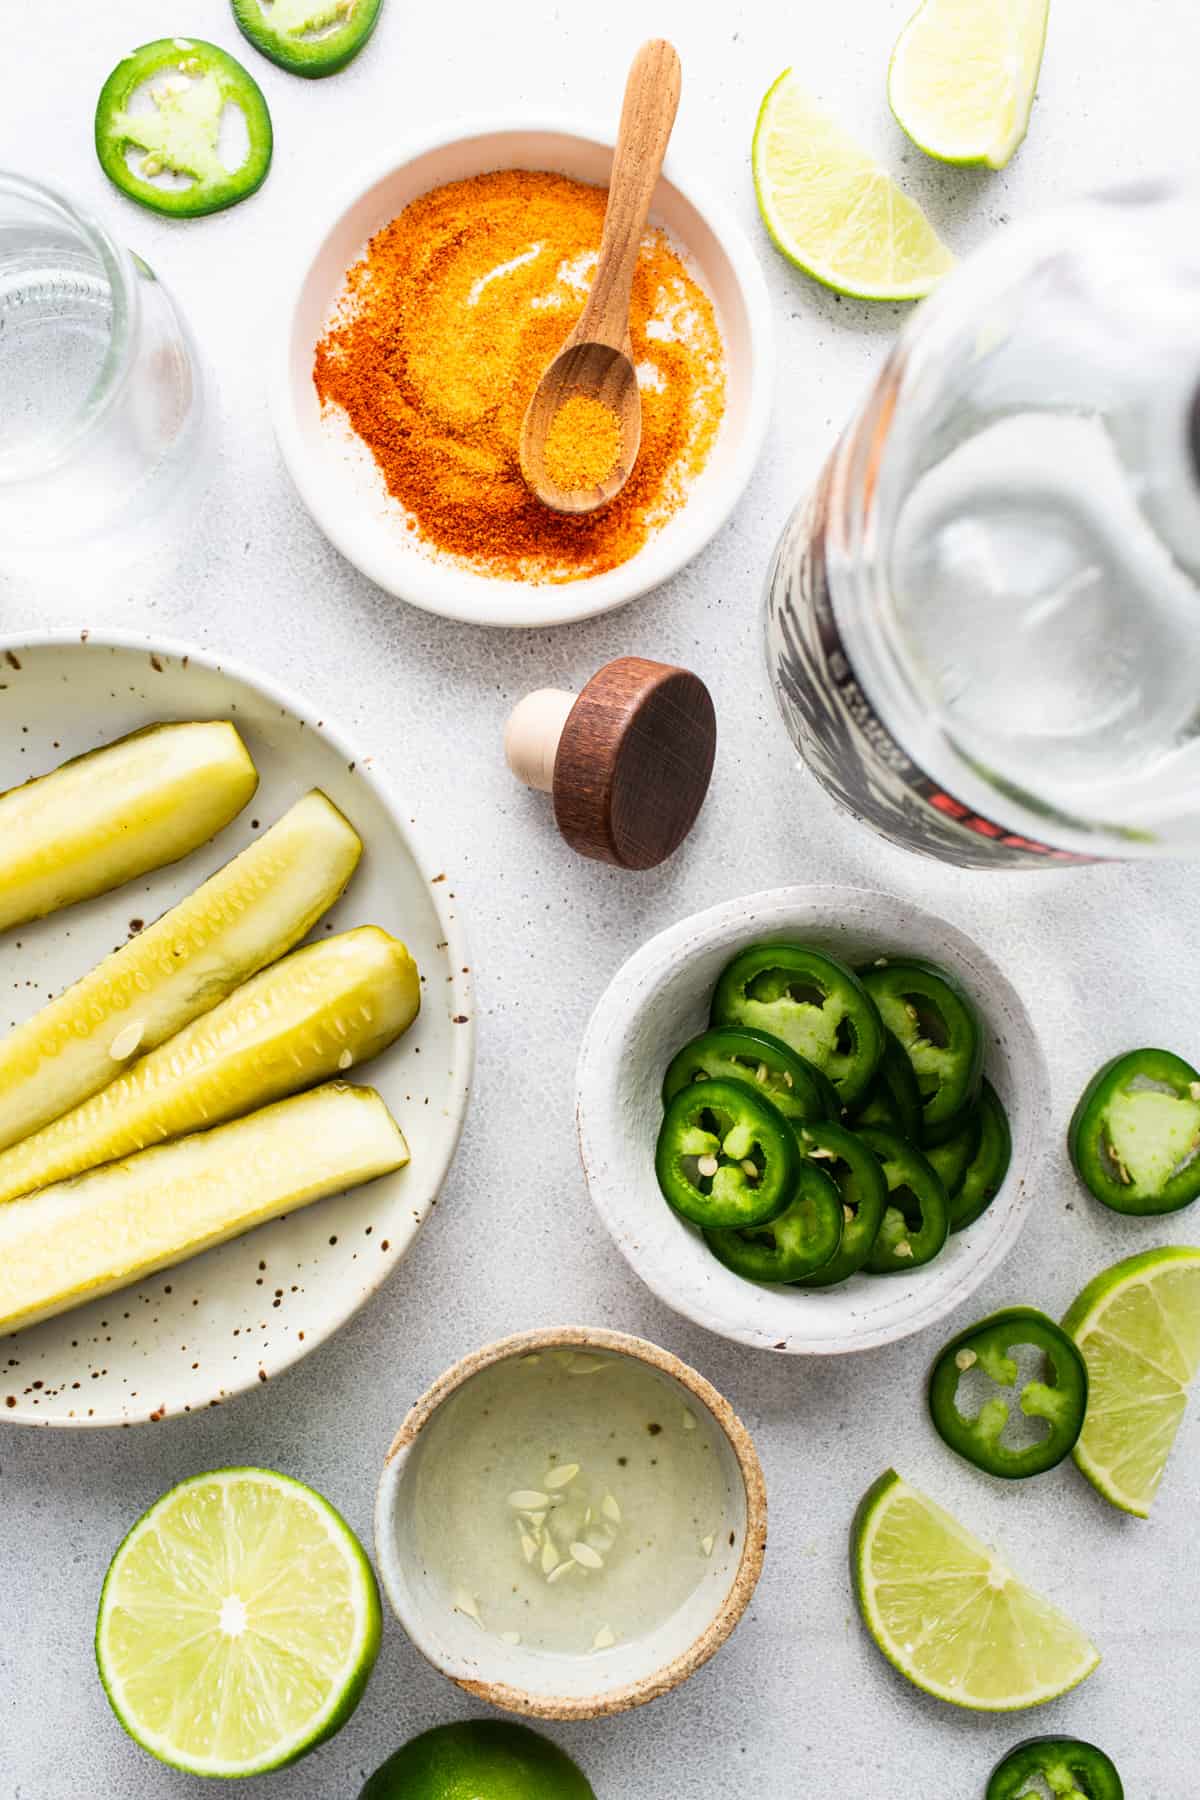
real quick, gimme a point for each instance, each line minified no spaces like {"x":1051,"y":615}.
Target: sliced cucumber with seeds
{"x":105,"y":818}
{"x":247,"y":915}
{"x":308,"y":37}
{"x":177,"y":133}
{"x":80,"y":1239}
{"x":319,"y":1012}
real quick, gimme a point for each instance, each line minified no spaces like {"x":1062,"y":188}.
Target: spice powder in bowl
{"x":441,"y":335}
{"x":583,"y":443}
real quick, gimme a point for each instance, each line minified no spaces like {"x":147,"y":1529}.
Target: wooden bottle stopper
{"x":628,"y":761}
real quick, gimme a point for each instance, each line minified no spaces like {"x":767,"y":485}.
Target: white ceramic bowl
{"x":538,"y":1683}
{"x":660,"y":999}
{"x":335,"y":474}
{"x":194,"y":1335}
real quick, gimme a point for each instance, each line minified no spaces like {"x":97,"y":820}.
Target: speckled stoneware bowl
{"x":334,"y":472}
{"x":660,"y":999}
{"x":630,"y":1673}
{"x":232,"y":1318}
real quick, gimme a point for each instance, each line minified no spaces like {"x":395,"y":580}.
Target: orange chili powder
{"x":583,"y":443}
{"x":441,"y":334}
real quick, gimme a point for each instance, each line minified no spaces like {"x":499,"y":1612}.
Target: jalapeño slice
{"x":735,"y":1053}
{"x":1135,"y":1135}
{"x":1060,"y":1398}
{"x":954,"y":1156}
{"x":1069,"y":1768}
{"x":985,"y":1172}
{"x":813,"y":1003}
{"x":308,"y":37}
{"x":178,"y":134}
{"x":858,"y":1176}
{"x":939,"y":1029}
{"x":893,"y":1099}
{"x":804,"y":1237}
{"x":916,"y":1220}
{"x":726,"y":1157}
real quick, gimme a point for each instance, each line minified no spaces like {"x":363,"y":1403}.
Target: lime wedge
{"x":1138,"y":1326}
{"x":239,"y":1623}
{"x":950,"y":1614}
{"x":963,"y":76}
{"x":833,"y":211}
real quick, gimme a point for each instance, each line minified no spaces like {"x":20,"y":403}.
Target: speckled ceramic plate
{"x":225,"y":1321}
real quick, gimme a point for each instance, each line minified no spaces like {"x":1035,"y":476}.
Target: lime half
{"x":833,"y":211}
{"x":950,"y":1614}
{"x":963,"y":76}
{"x":239,"y":1623}
{"x":1138,"y":1326}
{"x":480,"y":1759}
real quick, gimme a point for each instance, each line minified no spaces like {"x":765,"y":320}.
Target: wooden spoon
{"x":597,"y":358}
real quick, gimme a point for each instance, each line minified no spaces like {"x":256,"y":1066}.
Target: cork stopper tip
{"x":532,"y":735}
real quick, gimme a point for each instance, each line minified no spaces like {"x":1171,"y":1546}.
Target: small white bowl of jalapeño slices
{"x":806,"y":1117}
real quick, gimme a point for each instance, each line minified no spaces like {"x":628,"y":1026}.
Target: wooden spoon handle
{"x":648,"y":113}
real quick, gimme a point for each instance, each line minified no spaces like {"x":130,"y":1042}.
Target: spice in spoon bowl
{"x":583,"y":443}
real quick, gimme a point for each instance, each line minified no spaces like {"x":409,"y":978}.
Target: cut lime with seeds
{"x":833,"y":211}
{"x":239,"y":1624}
{"x":950,"y":1614}
{"x":963,"y":76}
{"x":1138,"y":1326}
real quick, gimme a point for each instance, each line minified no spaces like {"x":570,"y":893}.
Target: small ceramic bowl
{"x":660,"y":999}
{"x":542,"y":1683}
{"x":335,"y":474}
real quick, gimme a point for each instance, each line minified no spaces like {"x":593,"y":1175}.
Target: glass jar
{"x":103,"y":410}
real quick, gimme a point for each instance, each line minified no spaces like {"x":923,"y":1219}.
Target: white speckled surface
{"x":798,"y":1703}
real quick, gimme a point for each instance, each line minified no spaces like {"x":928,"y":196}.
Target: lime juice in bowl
{"x":982,"y":626}
{"x":570,"y":1522}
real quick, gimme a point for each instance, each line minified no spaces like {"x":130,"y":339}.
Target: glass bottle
{"x":983,"y":626}
{"x":102,"y":402}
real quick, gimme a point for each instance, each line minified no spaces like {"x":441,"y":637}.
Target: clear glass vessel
{"x":102,"y":401}
{"x":983,"y":627}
